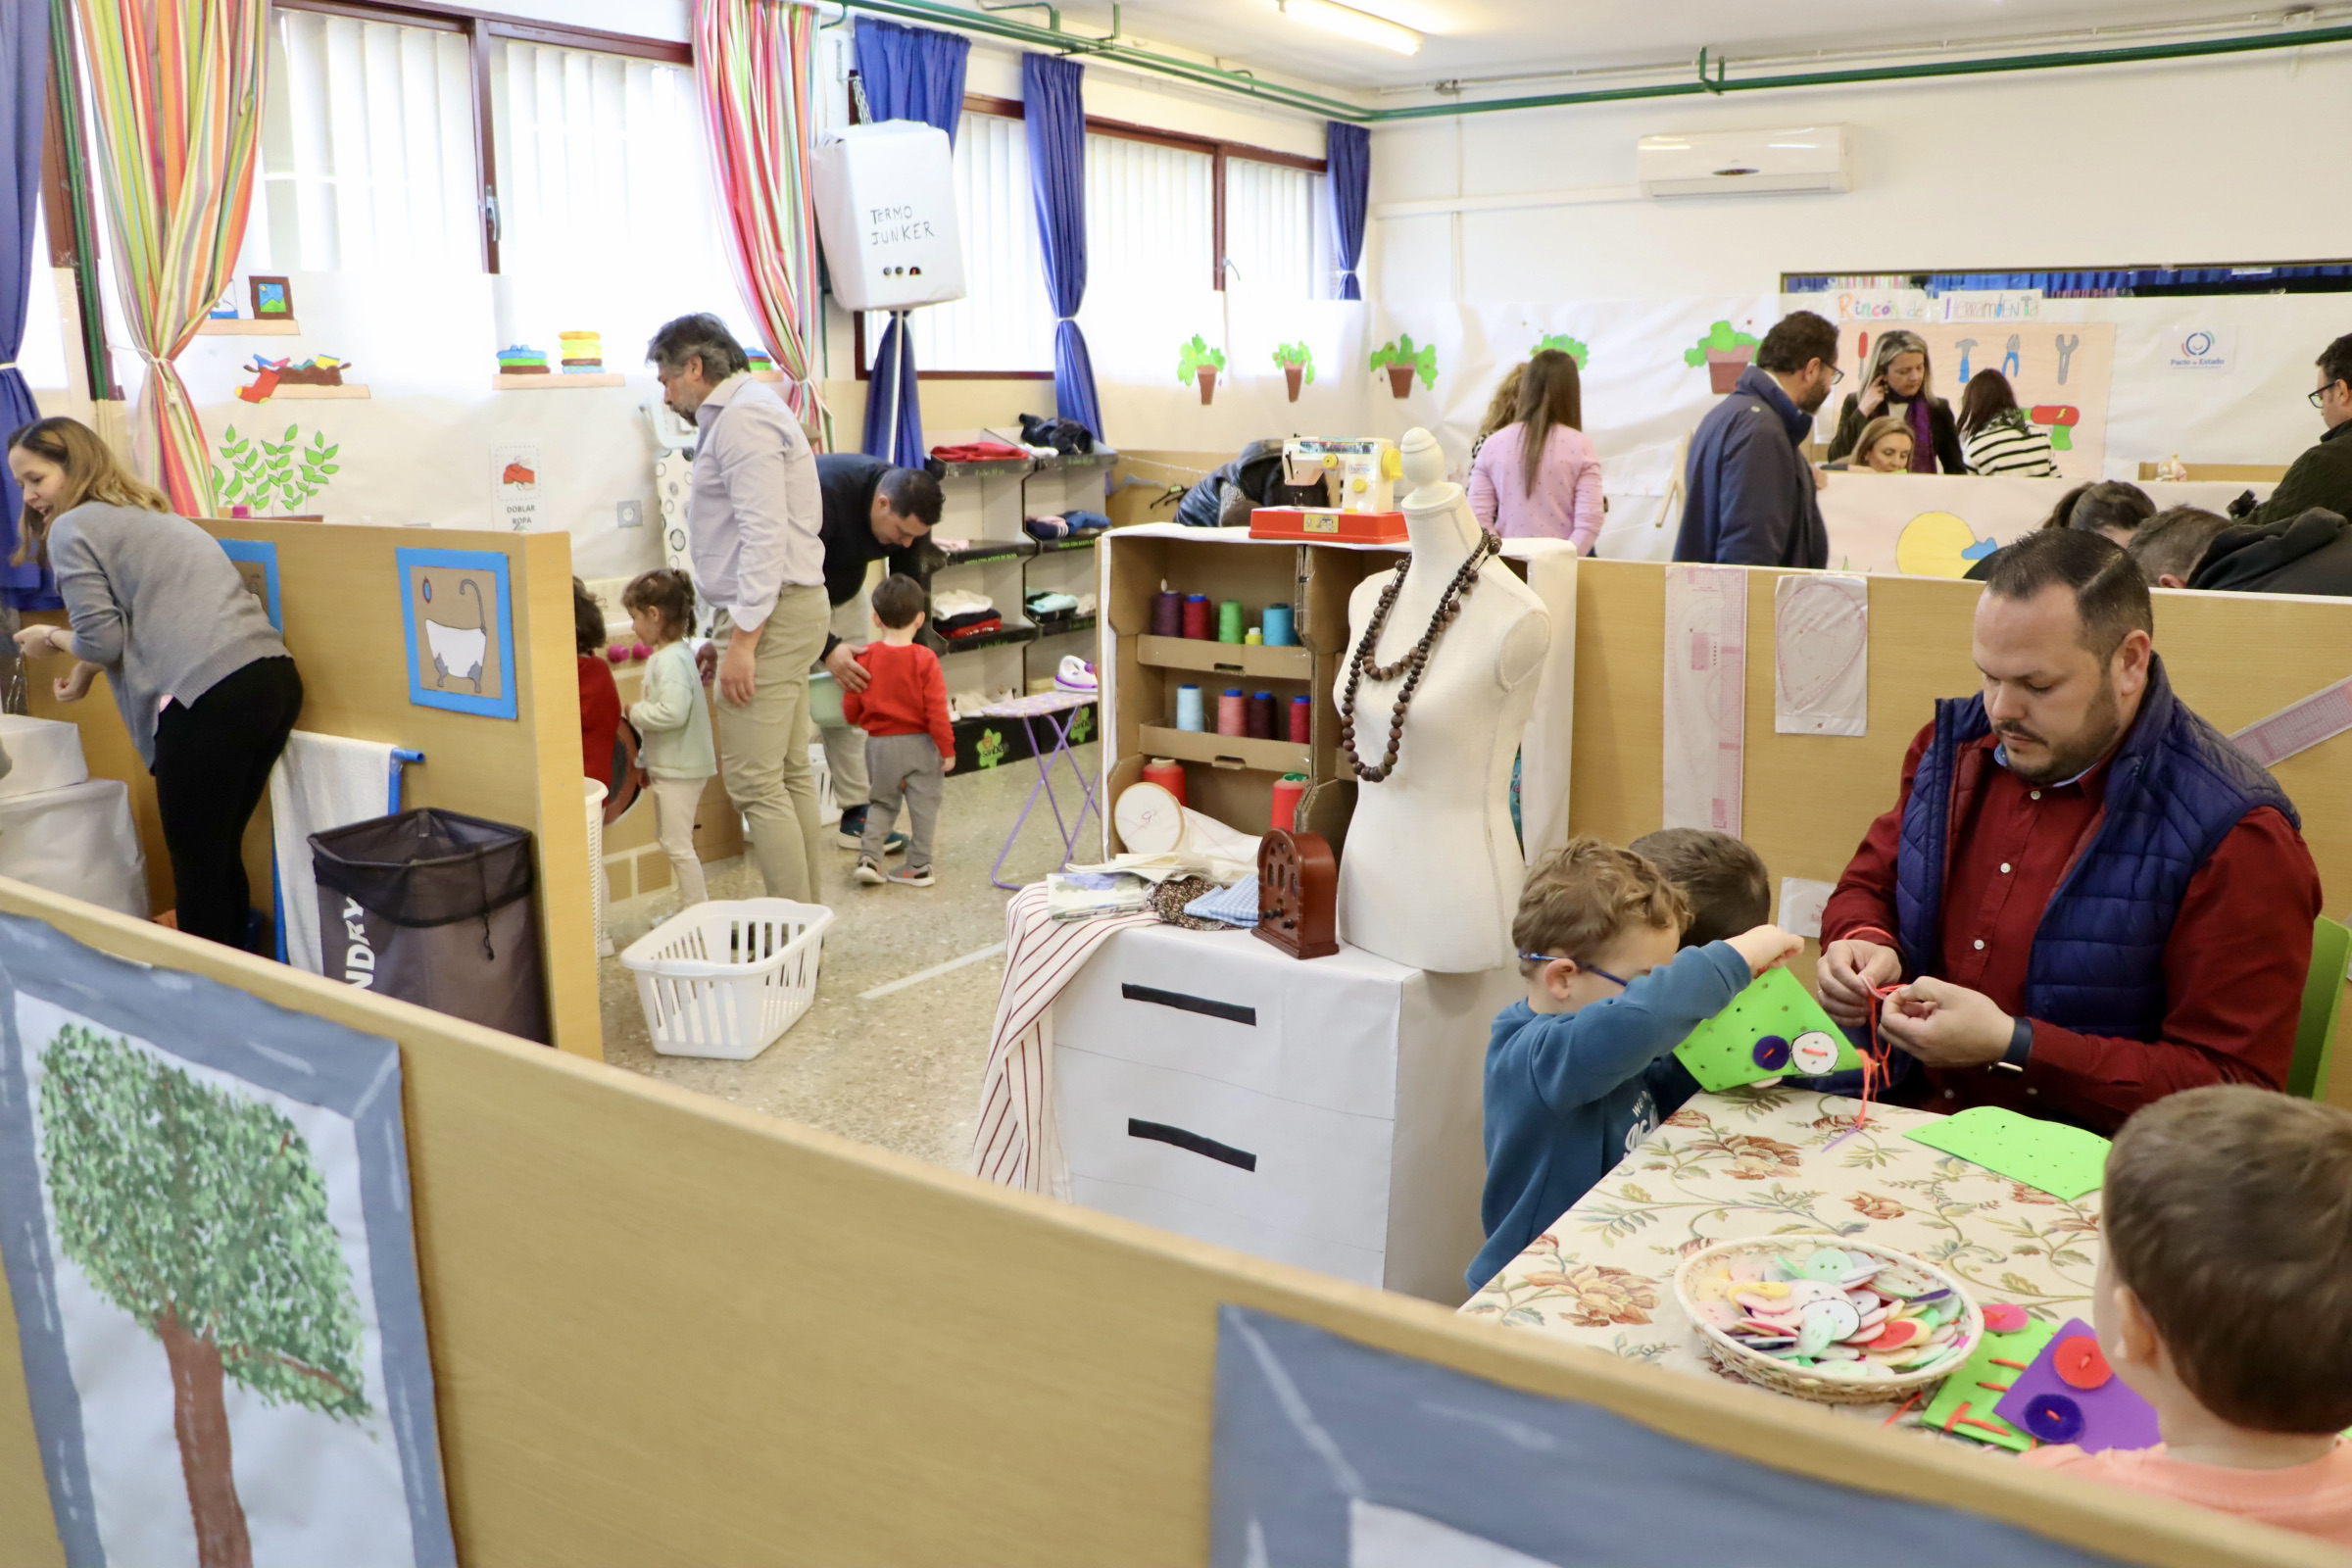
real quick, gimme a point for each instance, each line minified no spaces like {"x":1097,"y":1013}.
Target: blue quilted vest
{"x":2175,"y":787}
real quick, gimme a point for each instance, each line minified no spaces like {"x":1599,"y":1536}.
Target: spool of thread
{"x":1261,"y":716}
{"x":1302,"y":718}
{"x":1167,"y":615}
{"x":1196,"y":617}
{"x":1287,"y":791}
{"x":1228,"y":621}
{"x":1168,"y":774}
{"x":1233,"y":717}
{"x":1188,"y":709}
{"x":1277,"y":625}
{"x":1252,"y":637}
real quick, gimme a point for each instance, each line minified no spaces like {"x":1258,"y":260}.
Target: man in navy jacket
{"x":1748,"y":491}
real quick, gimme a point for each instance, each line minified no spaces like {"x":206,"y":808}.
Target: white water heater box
{"x":886,"y":209}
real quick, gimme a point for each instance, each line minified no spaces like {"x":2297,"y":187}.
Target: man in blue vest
{"x":1749,"y":493}
{"x":2098,"y":898}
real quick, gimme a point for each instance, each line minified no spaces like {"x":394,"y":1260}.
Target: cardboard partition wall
{"x":667,"y":1329}
{"x":1807,"y":800}
{"x":344,"y":598}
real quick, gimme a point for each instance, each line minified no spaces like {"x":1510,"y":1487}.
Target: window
{"x":1151,"y":220}
{"x":367,"y":156}
{"x":1004,"y":323}
{"x":1277,"y":230}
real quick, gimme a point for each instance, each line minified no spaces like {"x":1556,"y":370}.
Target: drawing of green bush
{"x":1193,"y":357}
{"x":1572,"y":347}
{"x":1287,"y":355}
{"x":265,"y":474}
{"x":1720,"y":338}
{"x":1398,"y":352}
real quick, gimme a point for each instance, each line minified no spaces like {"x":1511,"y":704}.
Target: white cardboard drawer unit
{"x":1324,"y":1112}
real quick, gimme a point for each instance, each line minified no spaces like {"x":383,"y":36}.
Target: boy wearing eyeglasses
{"x":1584,"y":1069}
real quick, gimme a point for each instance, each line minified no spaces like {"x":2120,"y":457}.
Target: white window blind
{"x":1003,"y":322}
{"x":42,"y":357}
{"x":1275,"y":234}
{"x":367,"y":150}
{"x":1149,"y":215}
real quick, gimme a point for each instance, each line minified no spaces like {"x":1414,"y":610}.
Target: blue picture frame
{"x":261,"y":553}
{"x":498,"y":624}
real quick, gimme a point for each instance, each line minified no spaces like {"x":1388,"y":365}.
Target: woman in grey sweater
{"x":206,"y":686}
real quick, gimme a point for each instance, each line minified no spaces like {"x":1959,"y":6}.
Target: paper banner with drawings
{"x":1820,"y":655}
{"x":2058,"y":369}
{"x":1706,"y":697}
{"x":1939,"y":526}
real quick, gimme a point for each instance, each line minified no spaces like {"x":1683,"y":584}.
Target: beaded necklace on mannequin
{"x":1415,"y":661}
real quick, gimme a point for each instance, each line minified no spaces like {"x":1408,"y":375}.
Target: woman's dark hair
{"x":1987,"y":394}
{"x":587,"y":619}
{"x":1551,"y":395}
{"x":2106,"y":504}
{"x":668,"y":594}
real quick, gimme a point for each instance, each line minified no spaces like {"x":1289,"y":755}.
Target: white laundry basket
{"x":595,"y":794}
{"x":727,"y":977}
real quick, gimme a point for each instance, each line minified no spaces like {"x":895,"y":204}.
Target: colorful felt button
{"x":1772,"y":1052}
{"x":2054,"y":1418}
{"x":2079,"y":1363}
{"x":1896,"y":1334}
{"x":1815,"y":1052}
{"x":2004,"y":1317}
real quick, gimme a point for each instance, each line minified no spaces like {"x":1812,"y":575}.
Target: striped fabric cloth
{"x":752,"y":59}
{"x":1017,"y":1144}
{"x":176,"y":88}
{"x":2006,"y":444}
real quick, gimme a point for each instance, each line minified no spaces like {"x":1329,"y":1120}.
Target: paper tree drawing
{"x":1297,"y":365}
{"x":1196,"y":362}
{"x":264,"y":474}
{"x":202,"y":1214}
{"x":1574,"y":348}
{"x":1402,"y":362}
{"x":1725,"y":353}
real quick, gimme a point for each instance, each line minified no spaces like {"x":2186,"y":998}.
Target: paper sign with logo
{"x":1870,"y":305}
{"x":2202,"y":348}
{"x":515,"y":485}
{"x":2058,"y":369}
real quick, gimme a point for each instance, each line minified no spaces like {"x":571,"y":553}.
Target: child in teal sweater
{"x":678,"y":754}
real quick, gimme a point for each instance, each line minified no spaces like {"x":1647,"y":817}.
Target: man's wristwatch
{"x":2021,"y":1047}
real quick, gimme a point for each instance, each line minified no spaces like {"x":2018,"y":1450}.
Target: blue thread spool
{"x":1188,"y":709}
{"x":1277,"y":627}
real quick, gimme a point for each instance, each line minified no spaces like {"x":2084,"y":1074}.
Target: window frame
{"x":1219,"y":152}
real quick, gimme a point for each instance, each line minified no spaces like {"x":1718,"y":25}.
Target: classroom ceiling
{"x":1472,"y":38}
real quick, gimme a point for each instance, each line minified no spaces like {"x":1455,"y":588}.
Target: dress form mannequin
{"x":1432,"y":871}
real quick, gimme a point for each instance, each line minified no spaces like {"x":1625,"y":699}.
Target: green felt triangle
{"x":2061,"y":1161}
{"x":1982,"y":1381}
{"x":1721,"y":1053}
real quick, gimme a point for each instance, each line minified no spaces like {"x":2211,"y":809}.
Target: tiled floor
{"x":902,"y":1072}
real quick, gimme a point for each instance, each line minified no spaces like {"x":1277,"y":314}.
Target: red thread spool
{"x":1261,"y":716}
{"x":1168,"y":774}
{"x":1287,"y":791}
{"x":1196,"y":617}
{"x":1302,"y":718}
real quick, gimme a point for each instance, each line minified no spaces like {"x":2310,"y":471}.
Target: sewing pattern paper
{"x":2299,"y":726}
{"x":1820,"y":655}
{"x":1705,"y":696}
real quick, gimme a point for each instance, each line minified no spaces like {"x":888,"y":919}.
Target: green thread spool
{"x":1228,"y":621}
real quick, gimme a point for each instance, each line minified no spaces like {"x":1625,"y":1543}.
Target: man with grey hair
{"x":754,"y":532}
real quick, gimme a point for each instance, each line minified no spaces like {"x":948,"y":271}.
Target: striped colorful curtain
{"x":176,"y":88}
{"x":752,"y":58}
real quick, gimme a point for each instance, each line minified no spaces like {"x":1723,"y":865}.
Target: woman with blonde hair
{"x":1539,"y":477}
{"x":203,"y":683}
{"x":1898,"y":383}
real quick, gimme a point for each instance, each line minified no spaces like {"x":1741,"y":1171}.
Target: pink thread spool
{"x":1232,"y":713}
{"x":1302,"y":718}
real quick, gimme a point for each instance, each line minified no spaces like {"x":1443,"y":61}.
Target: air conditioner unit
{"x":1745,"y":162}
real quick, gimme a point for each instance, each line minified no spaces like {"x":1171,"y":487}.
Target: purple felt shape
{"x":2113,"y":1416}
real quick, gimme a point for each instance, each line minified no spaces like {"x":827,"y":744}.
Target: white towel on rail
{"x":321,"y":781}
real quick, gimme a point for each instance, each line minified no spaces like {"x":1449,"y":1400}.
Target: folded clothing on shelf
{"x":959,"y":602}
{"x":1047,"y":527}
{"x":957,"y":627}
{"x":1043,"y":605}
{"x":979,"y":452}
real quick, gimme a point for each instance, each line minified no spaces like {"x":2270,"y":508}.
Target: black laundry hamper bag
{"x":437,"y":909}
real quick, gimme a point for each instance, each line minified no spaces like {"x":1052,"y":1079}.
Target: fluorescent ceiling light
{"x":1348,"y":21}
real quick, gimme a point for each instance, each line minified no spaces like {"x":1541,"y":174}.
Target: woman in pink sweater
{"x":1539,"y":476}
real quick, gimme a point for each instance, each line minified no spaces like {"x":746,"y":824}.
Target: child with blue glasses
{"x":1584,"y":1069}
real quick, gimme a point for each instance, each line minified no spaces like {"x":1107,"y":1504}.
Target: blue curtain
{"x":1055,"y":117}
{"x":1347,"y":150}
{"x":909,"y":74}
{"x":24,"y":72}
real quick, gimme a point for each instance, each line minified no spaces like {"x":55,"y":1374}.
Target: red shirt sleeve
{"x":1864,"y":903}
{"x":935,"y":708}
{"x":600,"y":719}
{"x":852,"y":704}
{"x":2233,"y":973}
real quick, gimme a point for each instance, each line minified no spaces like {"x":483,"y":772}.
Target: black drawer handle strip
{"x":1231,"y":1012}
{"x":1161,"y":1132}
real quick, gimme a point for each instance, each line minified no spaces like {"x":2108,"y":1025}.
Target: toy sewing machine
{"x":1360,"y":475}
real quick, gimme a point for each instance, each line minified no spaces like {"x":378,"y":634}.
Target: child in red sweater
{"x":908,"y":746}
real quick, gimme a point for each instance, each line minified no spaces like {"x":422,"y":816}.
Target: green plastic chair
{"x":2323,"y":1009}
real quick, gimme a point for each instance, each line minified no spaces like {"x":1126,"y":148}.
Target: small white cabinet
{"x":1324,"y":1112}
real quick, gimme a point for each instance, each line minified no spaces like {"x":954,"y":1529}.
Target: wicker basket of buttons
{"x":1827,"y":1318}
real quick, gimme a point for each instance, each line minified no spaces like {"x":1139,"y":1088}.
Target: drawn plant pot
{"x":1206,"y":375}
{"x":1724,"y":366}
{"x":1400,"y":380}
{"x":1292,"y":376}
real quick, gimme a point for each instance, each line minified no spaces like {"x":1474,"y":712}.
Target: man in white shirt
{"x":754,"y":520}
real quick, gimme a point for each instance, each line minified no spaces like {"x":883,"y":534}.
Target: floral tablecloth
{"x":1769,"y":1160}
